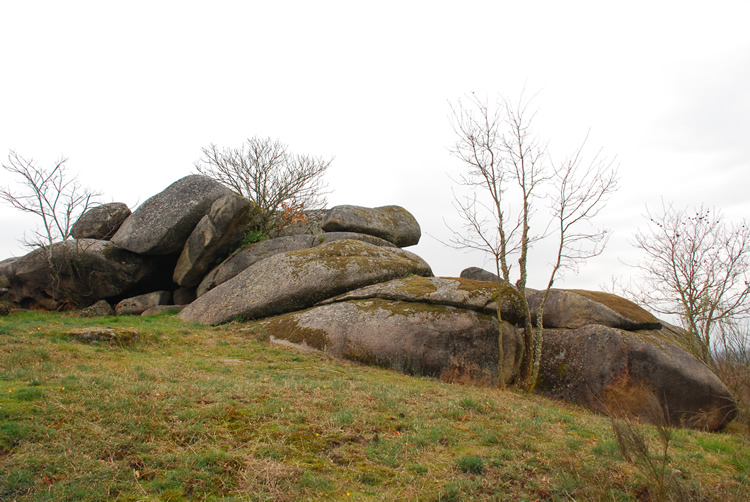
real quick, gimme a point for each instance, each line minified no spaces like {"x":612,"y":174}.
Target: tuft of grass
{"x":471,"y":464}
{"x":188,"y":412}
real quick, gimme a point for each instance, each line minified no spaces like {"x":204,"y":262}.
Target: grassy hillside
{"x":187,"y":412}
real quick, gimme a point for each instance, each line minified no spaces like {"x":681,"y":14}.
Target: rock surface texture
{"x":392,"y":223}
{"x":213,"y":237}
{"x":453,"y":344}
{"x":74,"y":273}
{"x":617,"y":371}
{"x":162,"y":224}
{"x":100,"y":222}
{"x":138,"y":304}
{"x":299,"y":279}
{"x":247,"y":256}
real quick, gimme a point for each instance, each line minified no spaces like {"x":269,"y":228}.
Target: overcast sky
{"x":129,"y":92}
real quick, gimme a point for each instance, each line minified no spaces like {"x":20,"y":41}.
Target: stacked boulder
{"x":168,"y":249}
{"x":348,"y":288}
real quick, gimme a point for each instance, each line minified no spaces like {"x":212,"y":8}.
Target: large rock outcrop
{"x":345,"y":287}
{"x":392,"y":223}
{"x":162,"y":224}
{"x":600,"y":350}
{"x":299,"y":279}
{"x":74,"y":273}
{"x":453,"y":344}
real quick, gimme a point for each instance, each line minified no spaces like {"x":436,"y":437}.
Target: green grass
{"x":195,"y":413}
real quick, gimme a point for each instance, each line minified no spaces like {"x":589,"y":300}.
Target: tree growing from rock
{"x":283,"y":185}
{"x":697,"y":267}
{"x":508,"y":171}
{"x":55,"y":196}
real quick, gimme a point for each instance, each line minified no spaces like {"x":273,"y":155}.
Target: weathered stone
{"x":392,"y":223}
{"x":4,"y":308}
{"x":299,"y":279}
{"x":326,"y":237}
{"x":213,"y":237}
{"x":575,"y":308}
{"x":100,"y":222}
{"x":183,"y":296}
{"x":161,"y":309}
{"x":478,"y":274}
{"x":111,"y":336}
{"x":448,"y":291}
{"x":612,"y":370}
{"x":102,"y":308}
{"x":140,"y":303}
{"x":74,"y":273}
{"x":162,"y":224}
{"x":247,"y":256}
{"x":455,"y":345}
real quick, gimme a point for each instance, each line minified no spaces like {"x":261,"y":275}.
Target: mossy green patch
{"x":416,"y":286}
{"x":403,"y":308}
{"x":624,"y":307}
{"x":287,"y":327}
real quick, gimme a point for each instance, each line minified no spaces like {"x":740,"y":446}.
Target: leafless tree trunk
{"x":280,"y":183}
{"x":508,"y":172}
{"x":53,"y":196}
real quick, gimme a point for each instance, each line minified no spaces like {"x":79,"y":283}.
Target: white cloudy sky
{"x":131,"y":91}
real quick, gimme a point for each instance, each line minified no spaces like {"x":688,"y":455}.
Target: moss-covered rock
{"x":247,"y":256}
{"x":571,"y":309}
{"x":392,"y":223}
{"x":299,"y":279}
{"x":449,"y":291}
{"x":110,"y":336}
{"x":74,"y":273}
{"x":452,"y":344}
{"x":616,"y":371}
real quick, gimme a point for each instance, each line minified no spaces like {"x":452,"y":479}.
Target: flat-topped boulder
{"x":452,"y":344}
{"x":392,"y":223}
{"x":299,"y":279}
{"x":163,"y":223}
{"x":448,"y":291}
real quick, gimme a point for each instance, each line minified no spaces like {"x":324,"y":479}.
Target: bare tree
{"x":696,"y":267}
{"x":280,"y":183}
{"x":54,"y":196}
{"x":508,"y":172}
